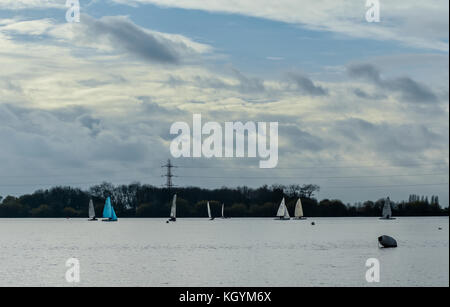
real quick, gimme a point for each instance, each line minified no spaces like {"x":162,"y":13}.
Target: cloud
{"x":111,"y":34}
{"x":121,"y":34}
{"x":298,"y":139}
{"x":306,"y":86}
{"x":422,"y":24}
{"x":239,"y":83}
{"x":362,"y":94}
{"x":68,"y":109}
{"x":249,"y":85}
{"x":28,"y":27}
{"x":407,"y":142}
{"x":72,"y":137}
{"x":409,"y":90}
{"x":126,"y":35}
{"x":31,"y":4}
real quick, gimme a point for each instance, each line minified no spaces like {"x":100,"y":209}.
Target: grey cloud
{"x":65,"y":135}
{"x":365,"y":71}
{"x":389,"y":140}
{"x":302,"y":140}
{"x":362,"y":94}
{"x":124,"y":34}
{"x":249,"y":85}
{"x":116,"y":149}
{"x":151,"y":108}
{"x":68,"y":141}
{"x":91,"y":123}
{"x":306,"y":85}
{"x":10,"y":85}
{"x":253,"y":86}
{"x":245,"y":85}
{"x":412,"y":90}
{"x":409,"y":90}
{"x":97,"y":83}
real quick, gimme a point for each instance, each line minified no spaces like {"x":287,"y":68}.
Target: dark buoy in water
{"x":440,"y":228}
{"x":387,"y":242}
{"x":167,"y":222}
{"x":313,"y":223}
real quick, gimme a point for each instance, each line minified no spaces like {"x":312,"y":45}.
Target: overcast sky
{"x":363,"y":108}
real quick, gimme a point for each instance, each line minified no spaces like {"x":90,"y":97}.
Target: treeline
{"x":136,"y":200}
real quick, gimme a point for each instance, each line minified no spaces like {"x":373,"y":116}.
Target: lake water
{"x":233,"y":252}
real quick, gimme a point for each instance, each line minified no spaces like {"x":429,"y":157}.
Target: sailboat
{"x":211,"y":218}
{"x":283,"y":213}
{"x":173,"y":209}
{"x":109,"y":215}
{"x":223,"y":212}
{"x":298,"y":213}
{"x":387,"y":210}
{"x":91,"y":211}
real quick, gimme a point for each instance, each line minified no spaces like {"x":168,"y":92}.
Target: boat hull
{"x":387,"y":242}
{"x":386,"y":218}
{"x":282,"y":219}
{"x":109,"y":220}
{"x":300,"y":218}
{"x":91,"y":220}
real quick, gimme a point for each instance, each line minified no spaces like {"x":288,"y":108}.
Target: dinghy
{"x":173,"y":209}
{"x":387,"y":210}
{"x":91,"y":211}
{"x":109,"y":215}
{"x":298,"y":213}
{"x":223,"y":212}
{"x":211,"y":218}
{"x":387,"y":242}
{"x":283,"y":213}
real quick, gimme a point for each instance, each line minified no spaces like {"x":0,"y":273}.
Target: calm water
{"x":235,"y":252}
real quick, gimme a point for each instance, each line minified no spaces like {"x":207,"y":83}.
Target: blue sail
{"x":113,"y":214}
{"x":107,"y":210}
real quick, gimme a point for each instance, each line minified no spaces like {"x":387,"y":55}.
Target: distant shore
{"x":146,"y":201}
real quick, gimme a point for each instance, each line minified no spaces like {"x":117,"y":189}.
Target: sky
{"x":363,"y":108}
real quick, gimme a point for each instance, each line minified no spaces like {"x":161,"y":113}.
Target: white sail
{"x":91,"y":209}
{"x":286,"y":213}
{"x":387,"y":210}
{"x":209,"y":210}
{"x":298,"y":209}
{"x":173,"y":210}
{"x":282,"y":209}
{"x":223,"y":210}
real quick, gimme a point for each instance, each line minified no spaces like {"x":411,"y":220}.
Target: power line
{"x":231,"y":168}
{"x":316,"y":166}
{"x":169,"y":175}
{"x":315,"y":177}
{"x":387,"y":186}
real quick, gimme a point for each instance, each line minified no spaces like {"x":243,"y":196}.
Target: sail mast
{"x":107,"y":209}
{"x":91,"y":209}
{"x":298,"y":209}
{"x":387,"y":210}
{"x":173,"y":210}
{"x":209,"y":210}
{"x":286,"y":213}
{"x":281,"y":209}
